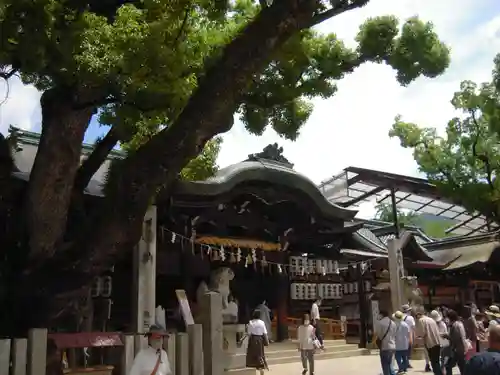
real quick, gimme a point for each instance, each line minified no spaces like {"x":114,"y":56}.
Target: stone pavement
{"x":362,"y":365}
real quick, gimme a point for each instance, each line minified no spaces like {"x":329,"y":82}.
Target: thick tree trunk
{"x":57,"y":160}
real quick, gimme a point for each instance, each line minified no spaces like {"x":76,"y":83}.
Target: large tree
{"x":167,"y":76}
{"x":464,"y":161}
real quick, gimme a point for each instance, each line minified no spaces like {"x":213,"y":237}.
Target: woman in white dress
{"x":152,"y":360}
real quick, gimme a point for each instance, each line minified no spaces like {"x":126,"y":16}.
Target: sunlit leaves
{"x":147,"y":57}
{"x":465,"y":161}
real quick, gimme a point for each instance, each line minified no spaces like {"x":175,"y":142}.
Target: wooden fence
{"x":27,"y":356}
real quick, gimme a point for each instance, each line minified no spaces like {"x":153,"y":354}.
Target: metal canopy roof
{"x":354,"y":186}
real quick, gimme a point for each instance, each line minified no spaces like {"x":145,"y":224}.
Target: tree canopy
{"x":434,"y":228}
{"x":167,"y":76}
{"x":464,"y":161}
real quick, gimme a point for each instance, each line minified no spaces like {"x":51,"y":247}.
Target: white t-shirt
{"x":386,"y":327}
{"x":145,"y":362}
{"x":305,"y":337}
{"x":256,"y":327}
{"x":410,"y":320}
{"x":315,"y":311}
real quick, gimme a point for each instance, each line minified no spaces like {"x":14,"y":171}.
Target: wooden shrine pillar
{"x":144,"y":275}
{"x":364,"y":311}
{"x":283,"y":290}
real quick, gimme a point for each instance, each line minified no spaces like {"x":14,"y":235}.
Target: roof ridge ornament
{"x":273,"y":153}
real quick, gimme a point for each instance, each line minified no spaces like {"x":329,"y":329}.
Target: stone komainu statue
{"x":219,"y":282}
{"x":412,"y":293}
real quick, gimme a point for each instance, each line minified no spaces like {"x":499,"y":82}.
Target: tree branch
{"x":340,"y":7}
{"x":93,"y":162}
{"x":183,"y":25}
{"x":484,"y":158}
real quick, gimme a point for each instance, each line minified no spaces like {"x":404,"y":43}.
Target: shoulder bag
{"x":378,"y":342}
{"x":157,"y":365}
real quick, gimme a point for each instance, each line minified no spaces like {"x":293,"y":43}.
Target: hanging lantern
{"x":106,"y":287}
{"x":173,"y":237}
{"x":222,"y":254}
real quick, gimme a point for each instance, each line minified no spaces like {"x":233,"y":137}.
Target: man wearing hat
{"x":427,"y":329}
{"x":152,"y":360}
{"x":403,"y":342}
{"x":410,"y":321}
{"x":493,"y":314}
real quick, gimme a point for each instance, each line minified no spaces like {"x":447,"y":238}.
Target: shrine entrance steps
{"x":286,"y":352}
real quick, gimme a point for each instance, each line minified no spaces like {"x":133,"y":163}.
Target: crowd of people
{"x":450,"y":339}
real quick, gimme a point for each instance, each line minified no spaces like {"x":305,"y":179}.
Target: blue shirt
{"x":403,"y":331}
{"x":485,"y":363}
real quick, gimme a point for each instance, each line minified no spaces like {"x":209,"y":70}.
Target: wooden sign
{"x":187,"y":315}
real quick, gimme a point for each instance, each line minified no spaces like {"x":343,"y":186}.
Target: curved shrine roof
{"x":265,"y":171}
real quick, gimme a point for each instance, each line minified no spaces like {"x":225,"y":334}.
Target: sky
{"x":350,"y":129}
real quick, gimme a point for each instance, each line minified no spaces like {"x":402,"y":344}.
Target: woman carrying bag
{"x":308,"y":343}
{"x":257,"y":340}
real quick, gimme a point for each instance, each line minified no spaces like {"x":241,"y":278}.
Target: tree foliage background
{"x":434,"y":228}
{"x":464,"y":162}
{"x":167,"y":76}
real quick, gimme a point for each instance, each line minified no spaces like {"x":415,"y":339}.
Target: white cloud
{"x":351,"y":128}
{"x":21,"y":107}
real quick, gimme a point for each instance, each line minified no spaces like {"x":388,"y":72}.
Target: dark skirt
{"x":255,"y":352}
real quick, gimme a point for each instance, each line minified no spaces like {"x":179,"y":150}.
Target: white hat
{"x":493,"y":310}
{"x":436,"y":316}
{"x":405,"y":308}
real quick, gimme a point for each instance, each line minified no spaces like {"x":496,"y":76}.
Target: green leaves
{"x":141,"y":62}
{"x":310,"y":63}
{"x":466,"y":160}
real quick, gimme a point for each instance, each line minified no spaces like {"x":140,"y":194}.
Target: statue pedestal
{"x":230,"y":347}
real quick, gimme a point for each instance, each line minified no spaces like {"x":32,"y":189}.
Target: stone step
{"x":288,"y":353}
{"x":292,"y":351}
{"x":319,"y":356}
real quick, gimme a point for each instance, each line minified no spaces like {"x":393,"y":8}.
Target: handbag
{"x":266,"y":340}
{"x":378,"y":341}
{"x":316,"y":343}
